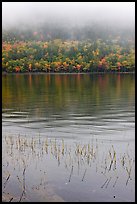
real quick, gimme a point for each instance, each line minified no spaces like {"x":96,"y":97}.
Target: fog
{"x":68,"y":20}
{"x":71,"y":13}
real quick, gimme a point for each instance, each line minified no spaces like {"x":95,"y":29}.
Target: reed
{"x":76,"y":159}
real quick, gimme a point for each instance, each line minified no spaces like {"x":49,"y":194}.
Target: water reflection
{"x":79,"y":102}
{"x":68,"y":137}
{"x":75,"y":163}
{"x":66,"y":92}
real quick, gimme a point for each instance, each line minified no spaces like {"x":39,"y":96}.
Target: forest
{"x":63,"y":48}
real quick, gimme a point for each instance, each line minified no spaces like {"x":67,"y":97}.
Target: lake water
{"x":68,"y":137}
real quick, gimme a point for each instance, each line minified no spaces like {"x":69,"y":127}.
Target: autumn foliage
{"x":66,"y":56}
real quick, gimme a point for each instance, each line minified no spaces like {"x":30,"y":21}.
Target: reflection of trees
{"x":65,"y":92}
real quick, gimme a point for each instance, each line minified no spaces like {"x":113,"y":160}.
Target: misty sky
{"x":14,"y":13}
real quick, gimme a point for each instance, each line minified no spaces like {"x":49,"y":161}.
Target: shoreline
{"x":63,"y":73}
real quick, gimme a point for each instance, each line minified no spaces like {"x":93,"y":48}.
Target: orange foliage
{"x":17,"y":69}
{"x":30,"y":67}
{"x":78,"y":66}
{"x":118,"y":64}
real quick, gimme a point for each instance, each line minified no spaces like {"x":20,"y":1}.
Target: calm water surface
{"x":68,"y":137}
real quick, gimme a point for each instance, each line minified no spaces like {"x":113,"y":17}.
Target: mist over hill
{"x":68,"y":20}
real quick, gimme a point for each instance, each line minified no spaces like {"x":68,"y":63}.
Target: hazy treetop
{"x":72,"y":13}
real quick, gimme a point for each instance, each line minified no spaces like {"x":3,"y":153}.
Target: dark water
{"x":68,"y":137}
